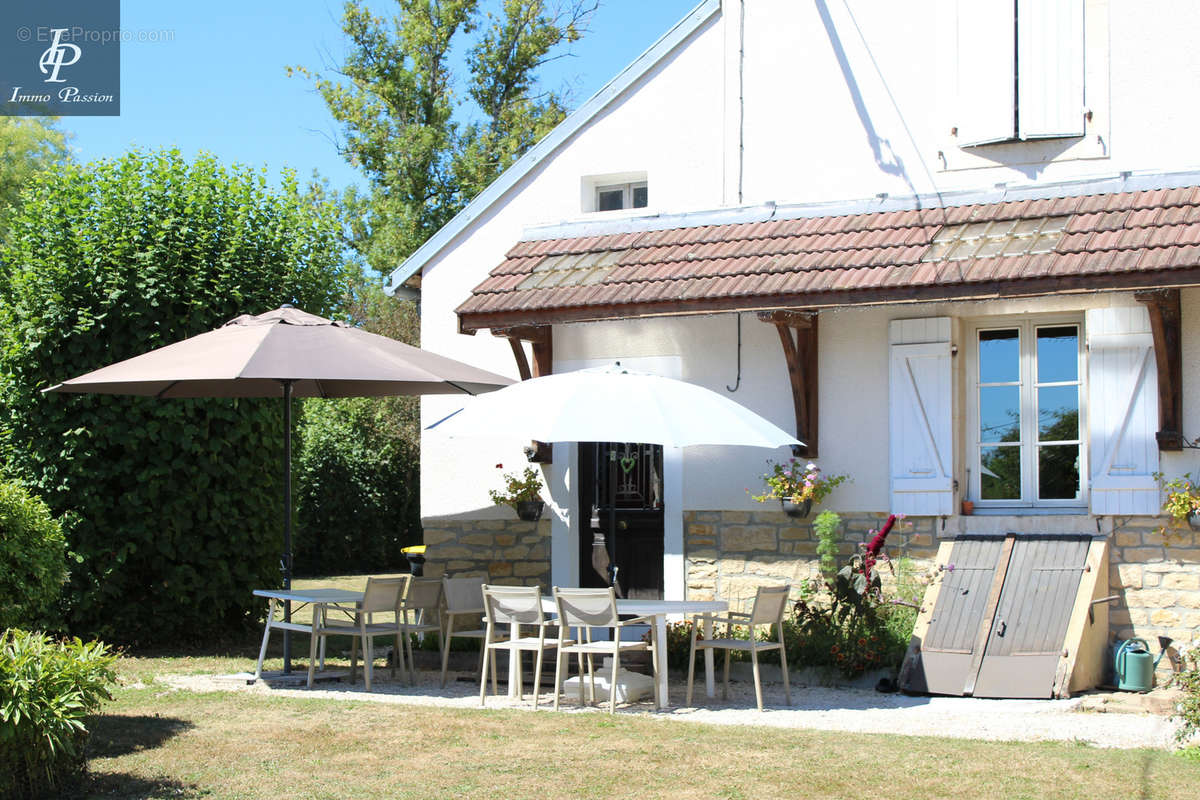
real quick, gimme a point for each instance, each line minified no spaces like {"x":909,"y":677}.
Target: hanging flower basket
{"x":799,"y":510}
{"x":529,"y":510}
{"x":797,"y":486}
{"x":522,"y":493}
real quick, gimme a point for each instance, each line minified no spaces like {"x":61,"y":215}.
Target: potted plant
{"x":797,"y":486}
{"x":522,"y":492}
{"x":1182,"y":501}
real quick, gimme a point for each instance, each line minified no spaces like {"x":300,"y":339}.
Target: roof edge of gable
{"x":574,"y":121}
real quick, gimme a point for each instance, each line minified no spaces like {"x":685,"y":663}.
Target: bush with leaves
{"x":848,"y":622}
{"x":47,"y":688}
{"x":174,"y":505}
{"x":1187,"y":711}
{"x":358,"y":485}
{"x":32,"y":560}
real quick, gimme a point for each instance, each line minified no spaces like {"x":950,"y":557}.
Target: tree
{"x":173,"y":505}
{"x":27,"y":146}
{"x":395,"y":99}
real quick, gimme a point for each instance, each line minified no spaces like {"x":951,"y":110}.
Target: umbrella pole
{"x":286,"y":563}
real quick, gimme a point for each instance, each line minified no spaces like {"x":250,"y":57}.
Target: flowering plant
{"x":1182,"y":497}
{"x":521,"y":488}
{"x":796,"y":482}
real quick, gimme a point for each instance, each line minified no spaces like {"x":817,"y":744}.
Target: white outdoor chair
{"x":464,"y":598}
{"x":420,"y":613}
{"x":520,"y":606}
{"x":587,"y":609}
{"x":769,"y":605}
{"x":382,"y":596}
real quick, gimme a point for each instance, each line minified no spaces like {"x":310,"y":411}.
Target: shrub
{"x":849,"y":622}
{"x":46,"y":690}
{"x":32,"y":566}
{"x":358,"y":485}
{"x":175,"y":504}
{"x":1188,"y":709}
{"x":827,"y":526}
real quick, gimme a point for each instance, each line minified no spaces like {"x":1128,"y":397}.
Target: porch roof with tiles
{"x":974,"y":250}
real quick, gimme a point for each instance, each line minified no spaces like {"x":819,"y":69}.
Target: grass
{"x":157,"y":743}
{"x":154,"y":742}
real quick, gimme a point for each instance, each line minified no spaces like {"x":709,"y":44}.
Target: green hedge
{"x":358,"y":485}
{"x":47,"y":688}
{"x":32,"y":565}
{"x":174,"y":505}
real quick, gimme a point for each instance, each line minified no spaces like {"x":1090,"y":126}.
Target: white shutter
{"x":1122,"y":411}
{"x":986,"y":72}
{"x":920,"y":416}
{"x":1050,"y":61}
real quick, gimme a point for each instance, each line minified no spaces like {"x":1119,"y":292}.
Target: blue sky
{"x":217,"y":81}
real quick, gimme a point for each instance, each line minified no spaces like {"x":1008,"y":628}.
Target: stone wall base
{"x":731,"y":553}
{"x":506,"y":551}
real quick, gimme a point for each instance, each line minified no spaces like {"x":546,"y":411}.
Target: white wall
{"x":845,"y":99}
{"x":850,"y":98}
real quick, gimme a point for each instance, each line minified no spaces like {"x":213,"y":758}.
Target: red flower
{"x":499,"y":466}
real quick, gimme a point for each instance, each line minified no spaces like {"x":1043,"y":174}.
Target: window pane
{"x":999,"y":356}
{"x":1058,"y":354}
{"x":1058,"y":472}
{"x":1058,"y":413}
{"x":610,"y":199}
{"x":641,"y":195}
{"x":1000,"y":414}
{"x":1000,"y":473}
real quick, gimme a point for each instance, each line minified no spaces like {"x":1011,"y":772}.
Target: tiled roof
{"x":1107,"y":241}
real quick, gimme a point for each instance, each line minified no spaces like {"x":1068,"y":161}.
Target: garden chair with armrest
{"x":770,"y":602}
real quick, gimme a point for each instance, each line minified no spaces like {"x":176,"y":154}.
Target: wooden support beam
{"x":1165,"y":326}
{"x":543,"y":364}
{"x":798,"y":336}
{"x":518,"y":350}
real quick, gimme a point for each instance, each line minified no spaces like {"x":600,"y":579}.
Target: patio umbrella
{"x":285,"y":353}
{"x":614,"y":404}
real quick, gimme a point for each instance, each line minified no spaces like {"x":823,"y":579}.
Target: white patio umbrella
{"x":613,"y":404}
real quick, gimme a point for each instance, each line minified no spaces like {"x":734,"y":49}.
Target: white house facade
{"x":954,"y":245}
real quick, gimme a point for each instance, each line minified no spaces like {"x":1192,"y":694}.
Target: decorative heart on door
{"x":628,"y":463}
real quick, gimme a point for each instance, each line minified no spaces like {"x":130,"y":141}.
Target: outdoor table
{"x":318,"y":598}
{"x":659,"y":609}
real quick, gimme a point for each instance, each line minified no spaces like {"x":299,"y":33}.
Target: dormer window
{"x":614,"y":191}
{"x":622,"y":195}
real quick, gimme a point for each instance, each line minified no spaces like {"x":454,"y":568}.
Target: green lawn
{"x":155,"y":742}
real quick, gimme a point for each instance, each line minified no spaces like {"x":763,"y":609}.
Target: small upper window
{"x":622,"y":195}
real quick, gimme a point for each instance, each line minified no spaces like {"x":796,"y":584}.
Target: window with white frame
{"x":1025,"y":413}
{"x":1020,"y":70}
{"x":615,"y":197}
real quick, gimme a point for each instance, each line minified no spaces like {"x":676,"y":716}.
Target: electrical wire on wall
{"x":737,"y":383}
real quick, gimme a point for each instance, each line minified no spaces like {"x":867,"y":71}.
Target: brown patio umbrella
{"x":286,"y":353}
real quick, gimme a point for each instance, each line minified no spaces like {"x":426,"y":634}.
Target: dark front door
{"x":621,"y":510}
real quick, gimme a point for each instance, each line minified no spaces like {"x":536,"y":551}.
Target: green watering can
{"x":1134,"y":665}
